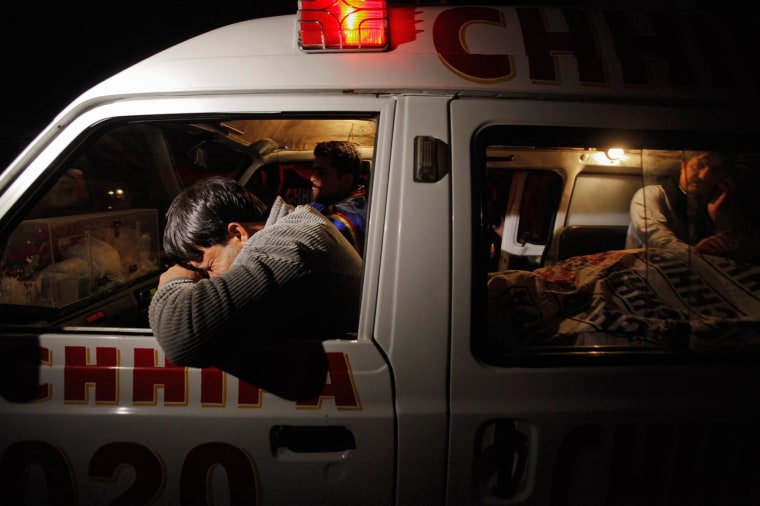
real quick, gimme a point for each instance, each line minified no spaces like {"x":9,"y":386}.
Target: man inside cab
{"x":336,"y":189}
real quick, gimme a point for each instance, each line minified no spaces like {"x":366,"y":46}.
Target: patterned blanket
{"x":654,"y":298}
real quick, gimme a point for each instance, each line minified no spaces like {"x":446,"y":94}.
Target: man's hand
{"x":177,"y":271}
{"x":719,"y":244}
{"x":724,"y":191}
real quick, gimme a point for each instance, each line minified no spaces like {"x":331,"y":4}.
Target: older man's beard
{"x":693,"y":185}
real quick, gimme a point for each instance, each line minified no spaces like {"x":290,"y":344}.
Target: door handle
{"x":501,"y":459}
{"x":311,"y":438}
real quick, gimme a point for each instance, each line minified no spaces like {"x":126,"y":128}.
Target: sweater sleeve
{"x":652,"y":221}
{"x":195,"y":322}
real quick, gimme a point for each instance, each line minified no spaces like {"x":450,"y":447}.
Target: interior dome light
{"x":615,"y":153}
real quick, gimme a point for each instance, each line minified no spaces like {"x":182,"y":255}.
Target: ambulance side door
{"x":541,"y":416}
{"x":91,"y":409}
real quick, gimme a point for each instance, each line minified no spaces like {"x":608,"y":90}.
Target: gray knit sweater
{"x":298,"y":277}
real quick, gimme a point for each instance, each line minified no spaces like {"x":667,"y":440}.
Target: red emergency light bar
{"x":342,"y":25}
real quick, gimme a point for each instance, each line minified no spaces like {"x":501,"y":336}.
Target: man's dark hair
{"x":344,"y":156}
{"x":198,"y":216}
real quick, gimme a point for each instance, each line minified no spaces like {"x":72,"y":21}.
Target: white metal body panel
{"x":434,"y":49}
{"x":411,"y":321}
{"x":101,"y":404}
{"x":552,"y":407}
{"x":126,"y":426}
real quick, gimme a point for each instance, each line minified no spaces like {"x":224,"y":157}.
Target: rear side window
{"x":586,"y":252}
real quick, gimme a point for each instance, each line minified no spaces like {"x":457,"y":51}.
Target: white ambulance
{"x":511,"y":350}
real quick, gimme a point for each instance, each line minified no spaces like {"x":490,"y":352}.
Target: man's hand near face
{"x":176,"y":272}
{"x":721,"y":199}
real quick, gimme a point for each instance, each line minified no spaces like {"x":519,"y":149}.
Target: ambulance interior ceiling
{"x":649,"y":163}
{"x":572,"y":160}
{"x":267,"y":135}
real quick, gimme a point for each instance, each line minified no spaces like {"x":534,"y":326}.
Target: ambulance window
{"x":538,"y":207}
{"x":288,"y":179}
{"x":600,"y":290}
{"x":85,"y":246}
{"x":519,"y":208}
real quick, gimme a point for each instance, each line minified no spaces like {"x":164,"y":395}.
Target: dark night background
{"x":54,"y":53}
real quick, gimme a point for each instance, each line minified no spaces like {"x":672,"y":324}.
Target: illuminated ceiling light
{"x":615,"y":153}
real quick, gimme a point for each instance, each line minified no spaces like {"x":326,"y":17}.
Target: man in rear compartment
{"x":697,"y":210}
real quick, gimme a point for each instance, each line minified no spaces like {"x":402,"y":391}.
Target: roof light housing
{"x":343,"y":25}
